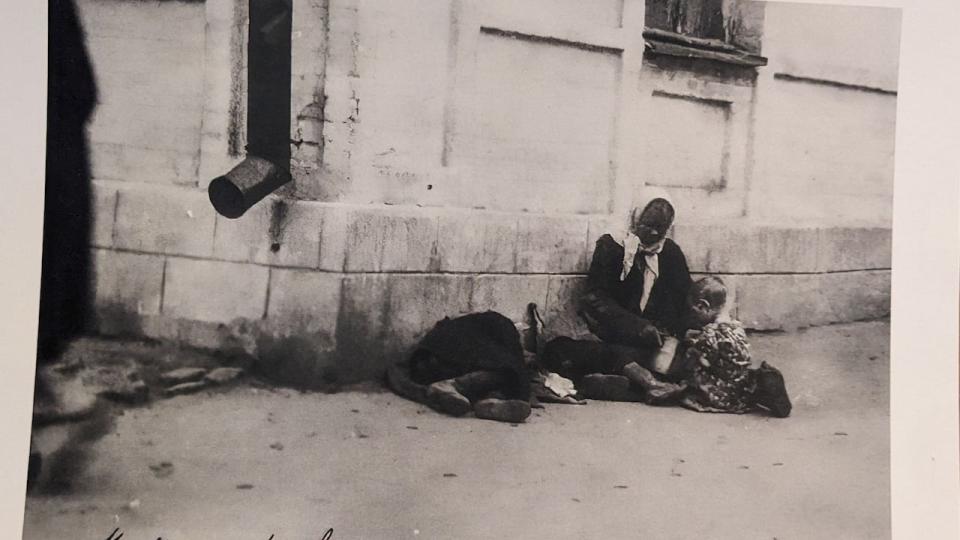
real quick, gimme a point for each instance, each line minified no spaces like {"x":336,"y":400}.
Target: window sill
{"x":671,"y":44}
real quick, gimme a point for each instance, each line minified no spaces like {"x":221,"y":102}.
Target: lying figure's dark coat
{"x":454,"y":347}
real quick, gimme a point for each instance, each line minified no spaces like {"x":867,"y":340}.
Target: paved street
{"x":250,"y":461}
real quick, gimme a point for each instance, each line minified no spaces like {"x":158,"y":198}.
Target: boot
{"x":444,"y":397}
{"x":513,"y":411}
{"x":655,"y":391}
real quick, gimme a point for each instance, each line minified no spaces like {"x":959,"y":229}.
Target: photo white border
{"x":925,"y":409}
{"x":23,"y":62}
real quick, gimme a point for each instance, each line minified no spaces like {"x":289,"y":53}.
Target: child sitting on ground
{"x":712,"y":365}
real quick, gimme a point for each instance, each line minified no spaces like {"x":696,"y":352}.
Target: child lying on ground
{"x":711,"y":367}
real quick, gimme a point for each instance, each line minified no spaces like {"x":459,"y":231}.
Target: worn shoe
{"x":443,"y":397}
{"x":655,"y":390}
{"x":664,"y":392}
{"x":513,"y":411}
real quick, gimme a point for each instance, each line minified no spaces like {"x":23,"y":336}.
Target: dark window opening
{"x":694,"y":18}
{"x":268,"y":80}
{"x":698,"y":29}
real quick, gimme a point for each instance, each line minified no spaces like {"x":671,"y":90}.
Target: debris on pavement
{"x":276,"y":446}
{"x":134,"y":393}
{"x":183,"y":375}
{"x":185,"y":388}
{"x":223,"y":375}
{"x":70,"y":400}
{"x":120,"y":383}
{"x":162,"y":469}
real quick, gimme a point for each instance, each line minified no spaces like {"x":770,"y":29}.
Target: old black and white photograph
{"x":466,"y":269}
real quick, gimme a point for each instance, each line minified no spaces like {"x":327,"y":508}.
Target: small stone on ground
{"x":118,"y":383}
{"x":183,"y":375}
{"x":162,"y":469}
{"x":185,"y":388}
{"x":68,"y":400}
{"x":223,"y":375}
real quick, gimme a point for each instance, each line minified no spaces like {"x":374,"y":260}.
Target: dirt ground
{"x":252,"y":461}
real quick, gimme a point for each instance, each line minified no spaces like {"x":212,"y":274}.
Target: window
{"x":695,"y":18}
{"x":706,"y":29}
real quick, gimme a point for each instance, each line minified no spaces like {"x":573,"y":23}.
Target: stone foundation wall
{"x":334,"y":292}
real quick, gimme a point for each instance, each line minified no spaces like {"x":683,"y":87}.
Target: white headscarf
{"x":631,"y":242}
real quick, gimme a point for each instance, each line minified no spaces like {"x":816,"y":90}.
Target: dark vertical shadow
{"x":65,"y":270}
{"x":65,"y":273}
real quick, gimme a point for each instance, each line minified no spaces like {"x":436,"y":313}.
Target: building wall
{"x":826,"y":115}
{"x":149,"y":62}
{"x":452,"y":157}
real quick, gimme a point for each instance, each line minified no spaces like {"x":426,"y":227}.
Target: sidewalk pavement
{"x":249,"y":461}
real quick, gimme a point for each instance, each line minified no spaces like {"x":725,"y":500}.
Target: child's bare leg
{"x":655,"y":390}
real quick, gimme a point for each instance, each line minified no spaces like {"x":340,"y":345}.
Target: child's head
{"x":706,"y":300}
